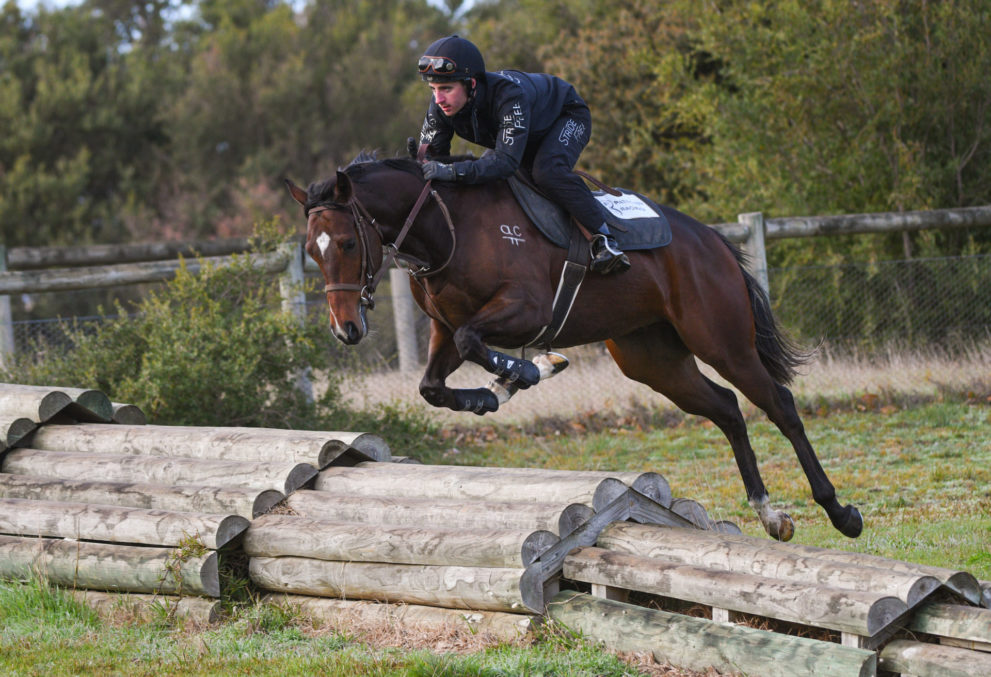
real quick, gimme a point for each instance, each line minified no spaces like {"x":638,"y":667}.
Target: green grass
{"x":44,"y":632}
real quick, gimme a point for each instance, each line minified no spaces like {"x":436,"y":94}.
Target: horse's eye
{"x":349,"y":245}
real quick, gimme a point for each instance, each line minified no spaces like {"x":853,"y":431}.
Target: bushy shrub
{"x":212,"y":347}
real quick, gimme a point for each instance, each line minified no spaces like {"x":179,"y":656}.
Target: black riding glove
{"x":412,"y":147}
{"x":439,"y":171}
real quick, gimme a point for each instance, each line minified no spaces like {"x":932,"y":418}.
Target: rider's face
{"x":450,"y":96}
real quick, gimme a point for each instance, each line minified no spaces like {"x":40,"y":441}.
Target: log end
{"x":128,"y":414}
{"x":230,"y":528}
{"x":265,"y":501}
{"x":608,"y":490}
{"x":536,"y":544}
{"x":94,"y":406}
{"x":299,"y":476}
{"x":52,"y":404}
{"x":573,"y":517}
{"x":655,"y":487}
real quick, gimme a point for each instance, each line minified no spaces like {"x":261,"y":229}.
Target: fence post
{"x":6,"y":321}
{"x":294,"y":302}
{"x":754,"y":246}
{"x":404,"y":319}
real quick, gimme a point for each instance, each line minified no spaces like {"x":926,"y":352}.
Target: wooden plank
{"x":27,"y":258}
{"x":345,"y":614}
{"x":150,"y":608}
{"x":524,"y":485}
{"x":86,"y":521}
{"x":228,"y":444}
{"x":744,"y":554}
{"x":698,"y":644}
{"x":247,"y":503}
{"x":492,"y":589}
{"x":449,"y":512}
{"x":68,"y":279}
{"x":105,"y":566}
{"x":933,"y":660}
{"x":282,"y":477}
{"x":845,"y":224}
{"x":286,"y":535}
{"x":953,"y":621}
{"x":819,"y":606}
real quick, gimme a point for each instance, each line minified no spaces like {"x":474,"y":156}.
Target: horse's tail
{"x":779,"y":354}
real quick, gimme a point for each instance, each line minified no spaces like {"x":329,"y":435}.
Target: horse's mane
{"x":365,"y":162}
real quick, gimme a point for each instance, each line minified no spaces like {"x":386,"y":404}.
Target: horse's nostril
{"x":353,"y":334}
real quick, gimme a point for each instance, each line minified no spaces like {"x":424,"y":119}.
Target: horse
{"x":485,"y":275}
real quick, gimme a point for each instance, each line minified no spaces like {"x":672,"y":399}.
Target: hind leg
{"x":777,"y":402}
{"x":656,"y":356}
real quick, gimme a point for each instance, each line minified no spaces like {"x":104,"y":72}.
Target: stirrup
{"x":606,"y":258}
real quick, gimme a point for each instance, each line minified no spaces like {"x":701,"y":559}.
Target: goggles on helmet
{"x":440,"y":65}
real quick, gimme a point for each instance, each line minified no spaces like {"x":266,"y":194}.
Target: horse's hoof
{"x":782,"y":529}
{"x":849,"y":523}
{"x":550,"y":364}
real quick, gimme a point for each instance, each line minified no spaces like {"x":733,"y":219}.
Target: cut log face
{"x":31,"y":402}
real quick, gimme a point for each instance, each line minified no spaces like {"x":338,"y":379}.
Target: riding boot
{"x":606,"y":255}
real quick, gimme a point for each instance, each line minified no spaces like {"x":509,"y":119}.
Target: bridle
{"x":365,"y":222}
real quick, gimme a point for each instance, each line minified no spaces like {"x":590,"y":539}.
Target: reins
{"x":363,"y":221}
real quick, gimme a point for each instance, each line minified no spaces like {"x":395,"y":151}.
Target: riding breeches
{"x":552,"y":161}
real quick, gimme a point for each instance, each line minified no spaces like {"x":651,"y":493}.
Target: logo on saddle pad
{"x":626,"y":206}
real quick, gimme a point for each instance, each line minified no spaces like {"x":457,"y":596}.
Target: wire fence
{"x":915,"y":327}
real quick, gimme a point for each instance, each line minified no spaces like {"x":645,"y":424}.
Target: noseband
{"x":364,"y":222}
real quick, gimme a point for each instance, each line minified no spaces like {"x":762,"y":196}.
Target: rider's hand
{"x":439,"y":171}
{"x":412,"y":147}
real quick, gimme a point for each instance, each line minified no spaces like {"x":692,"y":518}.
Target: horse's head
{"x":346,"y":247}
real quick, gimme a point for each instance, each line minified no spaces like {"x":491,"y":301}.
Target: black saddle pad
{"x":634,"y":220}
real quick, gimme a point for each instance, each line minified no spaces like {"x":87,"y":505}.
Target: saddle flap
{"x":635,"y":221}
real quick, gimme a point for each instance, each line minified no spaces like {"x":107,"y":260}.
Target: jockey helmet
{"x":451,"y":58}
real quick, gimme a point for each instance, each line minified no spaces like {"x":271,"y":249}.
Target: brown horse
{"x":485,"y":275}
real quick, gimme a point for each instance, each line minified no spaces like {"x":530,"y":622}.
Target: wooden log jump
{"x":449,"y":512}
{"x":753,"y":556}
{"x":103,"y":566}
{"x":284,"y":477}
{"x":467,"y":482}
{"x":285,"y":535}
{"x":247,"y":503}
{"x":346,"y":614}
{"x":921,"y":659}
{"x":227,"y":444}
{"x":148,"y":608}
{"x":841,"y":610}
{"x":85,"y":521}
{"x":43,"y":403}
{"x":492,"y":589}
{"x":698,"y":644}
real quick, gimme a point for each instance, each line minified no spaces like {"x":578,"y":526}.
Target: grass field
{"x":920,"y":474}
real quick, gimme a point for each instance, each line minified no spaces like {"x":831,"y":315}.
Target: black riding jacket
{"x":509,"y":111}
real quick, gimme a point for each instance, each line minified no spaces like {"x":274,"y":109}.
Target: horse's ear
{"x":342,"y":190}
{"x":298,"y":194}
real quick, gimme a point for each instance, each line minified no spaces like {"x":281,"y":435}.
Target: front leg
{"x":518,"y":372}
{"x":443,"y":358}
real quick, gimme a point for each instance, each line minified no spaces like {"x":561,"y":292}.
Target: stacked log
{"x":450,"y":536}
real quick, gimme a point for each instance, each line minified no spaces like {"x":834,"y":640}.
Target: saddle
{"x":635,"y":221}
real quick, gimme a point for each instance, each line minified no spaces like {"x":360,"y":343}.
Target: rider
{"x":530,"y":119}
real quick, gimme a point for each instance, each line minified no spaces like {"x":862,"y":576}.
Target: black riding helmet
{"x":451,"y":58}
